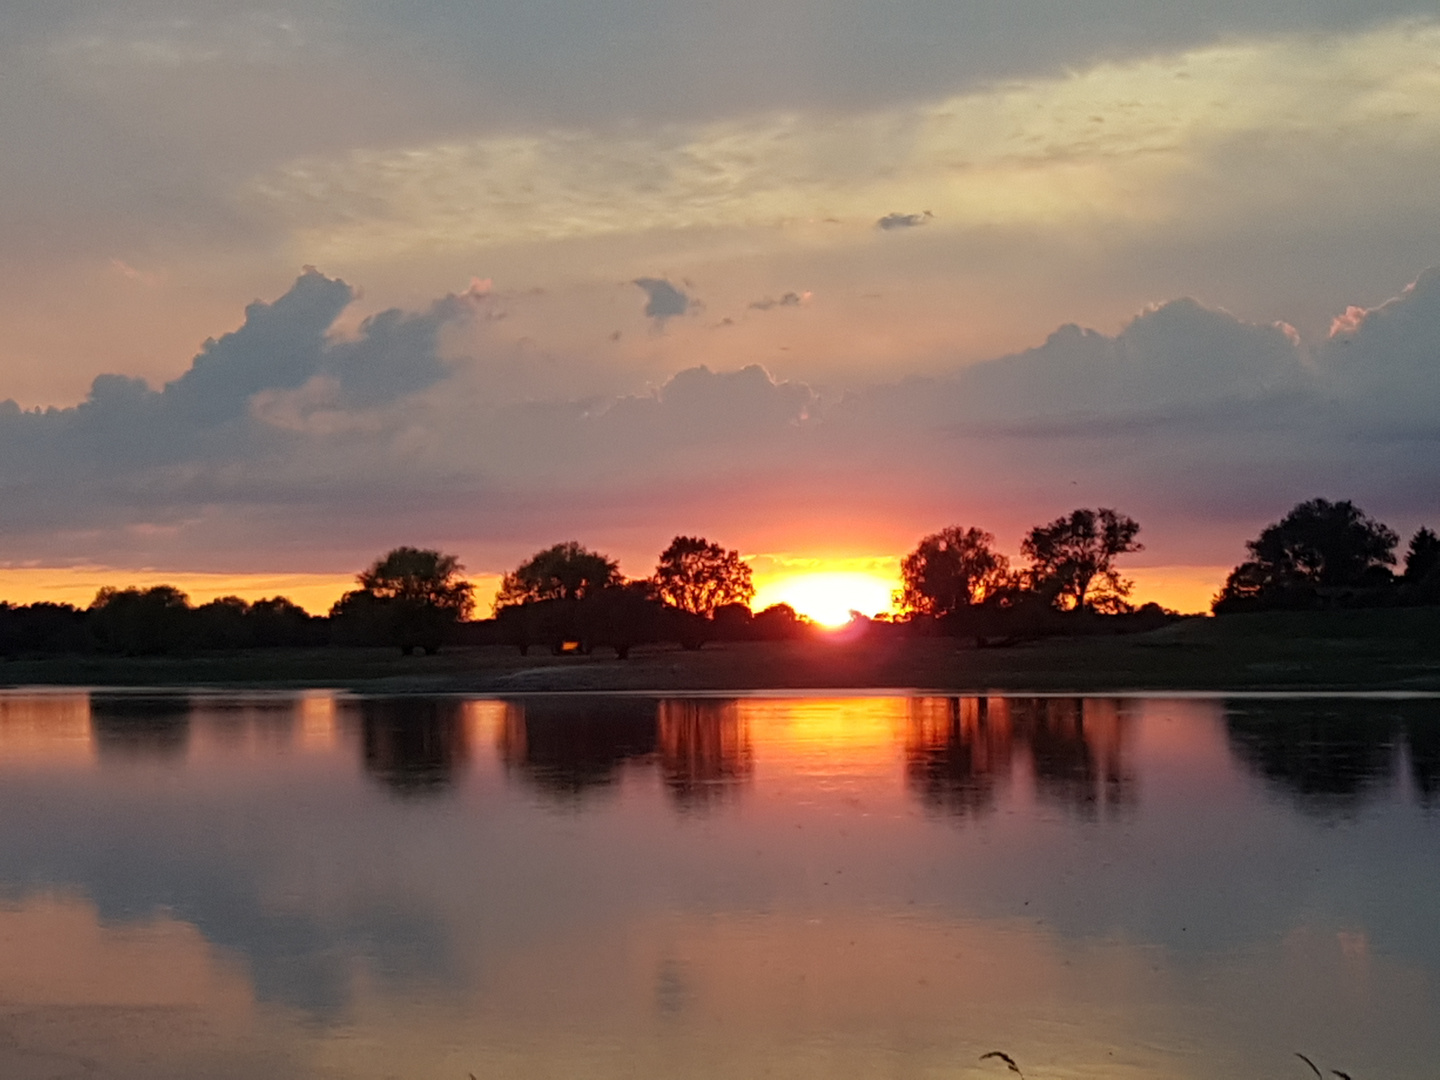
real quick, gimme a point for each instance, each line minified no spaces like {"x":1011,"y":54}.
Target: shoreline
{"x":1390,"y":652}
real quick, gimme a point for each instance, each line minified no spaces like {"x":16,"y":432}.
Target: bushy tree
{"x":779,"y":622}
{"x":411,"y":597}
{"x":1318,"y":545}
{"x":43,"y":628}
{"x":223,"y":623}
{"x":141,"y":621}
{"x":361,"y":618}
{"x":563,"y":572}
{"x":421,"y":576}
{"x":231,"y":623}
{"x":697,"y":576}
{"x":949,"y":570}
{"x":1073,"y":558}
{"x":1325,"y":543}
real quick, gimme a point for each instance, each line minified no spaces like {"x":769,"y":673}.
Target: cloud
{"x":283,"y":437}
{"x":1195,"y":164}
{"x":664,"y":300}
{"x":131,"y":456}
{"x":789,"y":299}
{"x":1187,"y":137}
{"x":1386,"y":361}
{"x":904,"y":221}
{"x":1175,"y":353}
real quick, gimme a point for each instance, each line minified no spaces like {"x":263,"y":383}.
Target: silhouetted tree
{"x":1073,"y":558}
{"x":949,"y":570}
{"x":278,"y":620}
{"x":412,"y":598}
{"x":617,"y":616}
{"x":732,"y":622}
{"x":141,"y":621}
{"x":1422,"y":569}
{"x":421,"y":576}
{"x":697,"y":576}
{"x":564,"y":572}
{"x":1423,"y":555}
{"x":223,"y":623}
{"x":779,"y":622}
{"x":360,"y":618}
{"x":620,"y":617}
{"x":43,"y":628}
{"x":1319,"y":545}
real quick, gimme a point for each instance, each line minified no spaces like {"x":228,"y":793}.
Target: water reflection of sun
{"x":828,"y":597}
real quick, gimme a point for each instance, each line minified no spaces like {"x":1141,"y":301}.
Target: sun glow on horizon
{"x":828,"y":597}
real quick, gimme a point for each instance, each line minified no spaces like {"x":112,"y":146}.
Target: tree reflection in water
{"x":1328,"y":753}
{"x":957,"y":753}
{"x":705,"y":751}
{"x":1422,"y":736}
{"x":1078,"y":751}
{"x":571,"y":747}
{"x":960,"y":752}
{"x":412,"y":745}
{"x":131,"y":726}
{"x":238,"y":720}
{"x":568,"y":747}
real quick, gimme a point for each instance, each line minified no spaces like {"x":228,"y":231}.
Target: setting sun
{"x":828,"y":597}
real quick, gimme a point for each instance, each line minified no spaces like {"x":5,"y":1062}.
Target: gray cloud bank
{"x":288,"y":444}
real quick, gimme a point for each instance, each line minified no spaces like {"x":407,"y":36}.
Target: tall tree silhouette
{"x":1074,"y":557}
{"x":1317,"y":545}
{"x":1423,"y":555}
{"x":697,"y":576}
{"x":950,"y":570}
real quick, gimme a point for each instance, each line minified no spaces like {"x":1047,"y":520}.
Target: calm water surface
{"x":314,"y":886}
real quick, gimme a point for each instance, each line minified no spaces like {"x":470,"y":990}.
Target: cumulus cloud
{"x":664,"y":300}
{"x":904,"y":221}
{"x":1386,"y":361}
{"x":129,"y":455}
{"x":283,"y":436}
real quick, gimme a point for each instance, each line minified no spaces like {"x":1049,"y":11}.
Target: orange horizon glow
{"x":829,"y":597}
{"x":823,"y":589}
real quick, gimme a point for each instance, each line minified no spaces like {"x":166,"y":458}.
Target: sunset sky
{"x":283,"y":287}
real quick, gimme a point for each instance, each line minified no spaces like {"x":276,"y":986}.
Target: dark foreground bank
{"x":1334,"y":651}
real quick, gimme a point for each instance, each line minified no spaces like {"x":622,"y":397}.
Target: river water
{"x":321,"y":886}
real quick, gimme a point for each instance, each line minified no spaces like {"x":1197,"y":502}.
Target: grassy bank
{"x":1355,"y":650}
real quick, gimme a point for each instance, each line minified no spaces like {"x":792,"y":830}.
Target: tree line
{"x":1326,"y":554}
{"x":568,"y":598}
